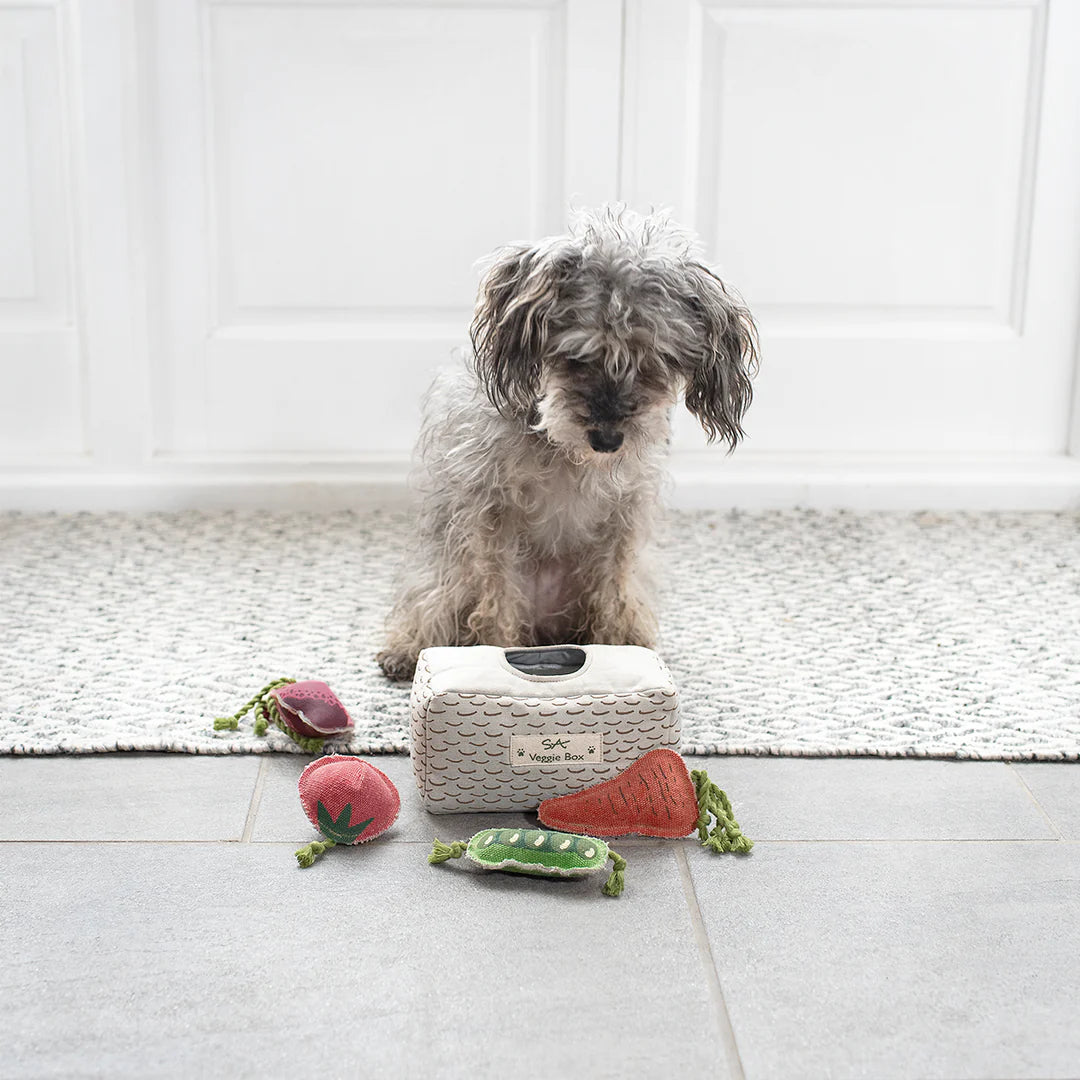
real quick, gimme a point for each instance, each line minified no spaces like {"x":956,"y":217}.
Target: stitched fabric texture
{"x":655,"y":796}
{"x":333,"y":784}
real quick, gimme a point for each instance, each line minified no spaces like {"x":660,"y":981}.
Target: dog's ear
{"x":718,"y":388}
{"x":510,"y":327}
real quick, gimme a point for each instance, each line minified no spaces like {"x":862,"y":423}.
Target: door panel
{"x":328,"y":175}
{"x":888,"y":185}
{"x":42,"y":388}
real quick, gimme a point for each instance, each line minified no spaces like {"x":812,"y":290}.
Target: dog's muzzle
{"x":604,"y":442}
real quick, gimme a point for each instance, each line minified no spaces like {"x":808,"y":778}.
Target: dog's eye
{"x":576,"y":361}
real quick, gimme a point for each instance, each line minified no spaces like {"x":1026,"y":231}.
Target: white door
{"x":327,"y":176}
{"x":72,"y":371}
{"x":893,"y":186}
{"x":42,"y":381}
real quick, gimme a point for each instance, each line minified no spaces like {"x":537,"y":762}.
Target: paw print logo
{"x":592,"y":749}
{"x":521,"y":753}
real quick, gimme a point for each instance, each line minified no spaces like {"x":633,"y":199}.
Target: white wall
{"x":239,"y":236}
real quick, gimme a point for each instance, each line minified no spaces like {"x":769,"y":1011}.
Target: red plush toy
{"x":348,"y":800}
{"x":656,"y":796}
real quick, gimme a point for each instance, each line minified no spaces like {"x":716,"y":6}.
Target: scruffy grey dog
{"x":544,"y":456}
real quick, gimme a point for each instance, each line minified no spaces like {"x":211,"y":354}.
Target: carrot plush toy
{"x":656,"y":796}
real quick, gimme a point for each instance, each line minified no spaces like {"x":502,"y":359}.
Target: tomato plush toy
{"x":348,"y":800}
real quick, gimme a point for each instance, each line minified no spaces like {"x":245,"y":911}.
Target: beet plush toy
{"x":308,"y":712}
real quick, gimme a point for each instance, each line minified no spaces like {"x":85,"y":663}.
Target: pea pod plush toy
{"x":536,"y":852}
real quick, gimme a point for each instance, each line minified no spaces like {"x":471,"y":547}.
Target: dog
{"x":543,"y":456}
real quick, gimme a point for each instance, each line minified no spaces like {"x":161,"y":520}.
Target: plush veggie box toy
{"x":504,"y":729}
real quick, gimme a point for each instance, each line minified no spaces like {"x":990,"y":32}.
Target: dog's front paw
{"x":397,"y":665}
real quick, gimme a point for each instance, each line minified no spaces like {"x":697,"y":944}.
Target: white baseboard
{"x":699,"y":481}
{"x":830,"y":482}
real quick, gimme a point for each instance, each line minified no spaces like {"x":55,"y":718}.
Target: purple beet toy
{"x":308,"y":712}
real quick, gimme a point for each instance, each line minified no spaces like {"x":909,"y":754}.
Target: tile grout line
{"x":152,"y":840}
{"x":712,"y":977}
{"x":1049,"y":820}
{"x":256,"y":799}
{"x":393,"y":840}
{"x":921,"y":840}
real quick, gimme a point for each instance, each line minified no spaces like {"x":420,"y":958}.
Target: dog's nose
{"x":605,"y":442}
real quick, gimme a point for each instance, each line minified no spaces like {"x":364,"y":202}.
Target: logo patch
{"x":533,"y":751}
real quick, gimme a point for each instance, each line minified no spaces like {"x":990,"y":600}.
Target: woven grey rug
{"x":788,"y":633}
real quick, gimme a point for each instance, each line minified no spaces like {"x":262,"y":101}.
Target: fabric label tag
{"x":530,"y":751}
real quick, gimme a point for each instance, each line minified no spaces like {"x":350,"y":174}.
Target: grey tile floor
{"x":896,"y":919}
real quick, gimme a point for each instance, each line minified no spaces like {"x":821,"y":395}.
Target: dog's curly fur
{"x":543,"y":457}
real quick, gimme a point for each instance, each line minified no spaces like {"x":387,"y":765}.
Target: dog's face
{"x":591,"y":337}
